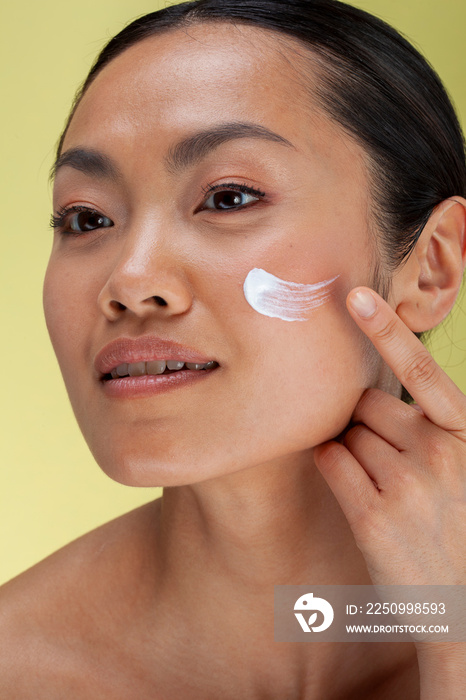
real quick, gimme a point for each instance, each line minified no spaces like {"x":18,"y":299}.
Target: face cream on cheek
{"x":289,"y":301}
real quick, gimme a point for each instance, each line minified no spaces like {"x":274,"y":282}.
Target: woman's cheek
{"x":318,"y":362}
{"x":55,"y":293}
{"x":68,"y":313}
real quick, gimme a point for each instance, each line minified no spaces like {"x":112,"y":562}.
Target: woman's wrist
{"x":442,"y":670}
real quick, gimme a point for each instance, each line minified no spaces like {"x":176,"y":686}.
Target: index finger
{"x":438,"y":396}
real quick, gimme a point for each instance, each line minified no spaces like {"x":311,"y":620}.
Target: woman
{"x":234,"y":180}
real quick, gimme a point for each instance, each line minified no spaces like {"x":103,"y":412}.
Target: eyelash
{"x":245,"y":189}
{"x":58,"y":221}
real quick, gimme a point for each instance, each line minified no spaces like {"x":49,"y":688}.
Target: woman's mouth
{"x":149,"y":365}
{"x":144,"y":379}
{"x":155,"y":367}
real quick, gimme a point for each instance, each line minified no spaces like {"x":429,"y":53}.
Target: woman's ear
{"x":425,"y":288}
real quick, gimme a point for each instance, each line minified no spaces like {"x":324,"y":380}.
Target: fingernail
{"x":363,"y":303}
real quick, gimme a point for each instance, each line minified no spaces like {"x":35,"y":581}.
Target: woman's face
{"x":299,"y":211}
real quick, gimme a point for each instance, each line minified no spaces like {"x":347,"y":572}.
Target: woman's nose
{"x":145,"y":280}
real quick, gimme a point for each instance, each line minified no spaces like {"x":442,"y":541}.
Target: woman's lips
{"x":144,"y":349}
{"x":150,"y":384}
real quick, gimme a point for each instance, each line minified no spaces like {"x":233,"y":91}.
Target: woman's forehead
{"x":208,"y":42}
{"x":181,"y":83}
{"x":206,"y":70}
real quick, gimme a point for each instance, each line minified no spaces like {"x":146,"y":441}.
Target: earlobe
{"x":428,"y":284}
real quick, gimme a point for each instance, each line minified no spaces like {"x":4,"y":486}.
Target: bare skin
{"x":67,"y":627}
{"x":175,"y":599}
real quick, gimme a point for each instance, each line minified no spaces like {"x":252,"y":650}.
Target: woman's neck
{"x":277,"y":523}
{"x":222,"y":546}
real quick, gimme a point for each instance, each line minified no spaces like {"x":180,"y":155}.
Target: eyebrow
{"x":87,"y":161}
{"x":182,"y":155}
{"x":194,"y":148}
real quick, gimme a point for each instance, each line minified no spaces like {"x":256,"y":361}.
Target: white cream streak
{"x":290,"y":301}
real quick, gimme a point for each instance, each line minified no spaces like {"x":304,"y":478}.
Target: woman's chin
{"x":136,"y":468}
{"x":179,"y":462}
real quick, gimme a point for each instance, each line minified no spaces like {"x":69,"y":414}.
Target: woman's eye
{"x":228,"y":198}
{"x":80,"y":220}
{"x":88,"y":221}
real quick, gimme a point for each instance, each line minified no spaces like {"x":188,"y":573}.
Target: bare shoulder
{"x":53,"y":613}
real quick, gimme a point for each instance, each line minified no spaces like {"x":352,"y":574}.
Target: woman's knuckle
{"x":388,"y":331}
{"x":355,"y":435}
{"x":444,"y":461}
{"x":421,"y":370}
{"x":330,"y":456}
{"x":436,"y":447}
{"x":407,"y":479}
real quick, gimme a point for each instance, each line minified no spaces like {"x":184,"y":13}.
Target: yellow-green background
{"x":51,"y":491}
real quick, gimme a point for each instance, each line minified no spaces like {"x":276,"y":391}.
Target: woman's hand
{"x":400,"y":474}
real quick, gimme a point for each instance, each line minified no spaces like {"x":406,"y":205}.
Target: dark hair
{"x":371,"y":81}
